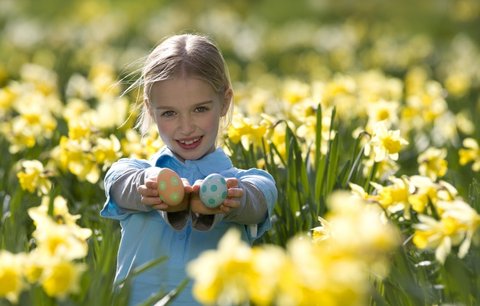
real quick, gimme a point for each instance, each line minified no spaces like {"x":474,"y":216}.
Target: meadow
{"x":365,"y":115}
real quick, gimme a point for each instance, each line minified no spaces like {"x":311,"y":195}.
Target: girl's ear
{"x":227,"y":100}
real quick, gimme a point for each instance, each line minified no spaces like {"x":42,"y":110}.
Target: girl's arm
{"x":253,"y":205}
{"x":252,"y":196}
{"x":122,"y":182}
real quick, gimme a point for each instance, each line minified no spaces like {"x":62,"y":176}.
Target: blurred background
{"x":302,"y":39}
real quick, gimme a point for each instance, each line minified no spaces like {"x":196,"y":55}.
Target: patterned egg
{"x":170,"y":187}
{"x":213,"y":190}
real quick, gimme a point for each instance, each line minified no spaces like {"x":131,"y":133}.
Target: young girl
{"x":187,"y":91}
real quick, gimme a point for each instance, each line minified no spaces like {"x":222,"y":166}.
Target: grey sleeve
{"x":253,"y":206}
{"x":252,"y":211}
{"x":124,"y":190}
{"x":124,"y":193}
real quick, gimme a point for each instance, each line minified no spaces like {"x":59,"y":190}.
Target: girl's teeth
{"x":189,"y":142}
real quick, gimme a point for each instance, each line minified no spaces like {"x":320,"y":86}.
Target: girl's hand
{"x":234,"y":196}
{"x":150,"y":197}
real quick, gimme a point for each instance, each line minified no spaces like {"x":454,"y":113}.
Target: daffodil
{"x":135,"y":146}
{"x":61,"y":277}
{"x":246,"y":132}
{"x":384,"y":143}
{"x":11,"y":276}
{"x":383,"y":110}
{"x":369,"y":235}
{"x":34,"y":265}
{"x":221,"y":276}
{"x":394,"y":196}
{"x":321,"y":232}
{"x":383,"y":169}
{"x":102,"y":116}
{"x":34,"y":177}
{"x":107,"y":150}
{"x":269,"y":264}
{"x":333,"y":268}
{"x":44,"y":79}
{"x":456,"y":226}
{"x":60,"y":212}
{"x":470,"y":153}
{"x":59,"y":239}
{"x":7,"y":97}
{"x":103,"y":80}
{"x":432,"y":163}
{"x":295,"y":91}
{"x":425,"y":191}
{"x":75,"y":156}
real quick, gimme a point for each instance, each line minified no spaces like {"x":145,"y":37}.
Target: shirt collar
{"x":214,"y":162}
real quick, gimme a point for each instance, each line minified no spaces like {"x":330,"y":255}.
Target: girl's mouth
{"x":189,"y":144}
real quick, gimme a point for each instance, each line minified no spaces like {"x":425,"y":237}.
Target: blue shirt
{"x":146,"y":236}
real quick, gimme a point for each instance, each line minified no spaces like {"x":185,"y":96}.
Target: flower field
{"x":365,"y":114}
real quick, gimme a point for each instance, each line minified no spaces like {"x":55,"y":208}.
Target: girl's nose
{"x":187,"y":125}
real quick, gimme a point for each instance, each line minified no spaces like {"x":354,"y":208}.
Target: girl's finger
{"x":231,"y":203}
{"x":145,"y":191}
{"x":235,"y":192}
{"x":232,"y":182}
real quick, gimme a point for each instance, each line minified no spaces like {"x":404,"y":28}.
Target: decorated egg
{"x":213,"y":190}
{"x":170,"y":187}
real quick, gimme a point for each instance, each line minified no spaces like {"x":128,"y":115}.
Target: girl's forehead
{"x":186,"y":89}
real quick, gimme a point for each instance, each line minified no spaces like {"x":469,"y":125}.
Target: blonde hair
{"x":183,"y":54}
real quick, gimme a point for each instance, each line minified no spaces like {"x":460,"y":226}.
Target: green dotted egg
{"x":213,"y":190}
{"x":170,"y":187}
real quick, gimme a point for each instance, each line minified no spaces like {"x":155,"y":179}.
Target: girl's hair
{"x":182,"y":55}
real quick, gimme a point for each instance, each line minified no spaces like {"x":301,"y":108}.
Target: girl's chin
{"x":192,"y":154}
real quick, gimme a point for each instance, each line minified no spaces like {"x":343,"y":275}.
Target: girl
{"x":186,"y":93}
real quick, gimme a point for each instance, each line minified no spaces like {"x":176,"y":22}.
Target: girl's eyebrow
{"x":195,"y":105}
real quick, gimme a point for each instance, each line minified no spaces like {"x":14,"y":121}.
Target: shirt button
{"x":181,"y":236}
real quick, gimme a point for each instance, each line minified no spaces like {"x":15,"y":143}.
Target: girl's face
{"x":187,"y":112}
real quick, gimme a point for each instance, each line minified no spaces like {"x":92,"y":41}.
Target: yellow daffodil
{"x":470,"y":153}
{"x":394,"y":197}
{"x":135,"y":146}
{"x":456,"y":226}
{"x":383,"y":110}
{"x":107,"y":150}
{"x":34,"y":177}
{"x":333,"y":268}
{"x":60,"y":212}
{"x":58,"y":239}
{"x":268,"y":265}
{"x":220,"y":276}
{"x":11,"y":276}
{"x":246,"y":132}
{"x":295,"y":91}
{"x":103,"y":80}
{"x":61,"y":277}
{"x":44,"y":79}
{"x":432,"y":163}
{"x":7,"y":97}
{"x":384,"y":144}
{"x":384,"y":169}
{"x":75,"y":156}
{"x":34,"y":265}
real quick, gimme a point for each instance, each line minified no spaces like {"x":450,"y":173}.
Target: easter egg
{"x":213,"y":190}
{"x":170,"y":187}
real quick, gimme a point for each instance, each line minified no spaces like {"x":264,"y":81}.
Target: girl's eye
{"x":168,"y":114}
{"x":201,"y":109}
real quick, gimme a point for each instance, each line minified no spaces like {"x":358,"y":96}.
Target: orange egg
{"x":170,"y":187}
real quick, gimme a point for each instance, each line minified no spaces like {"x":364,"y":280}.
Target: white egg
{"x":213,"y":190}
